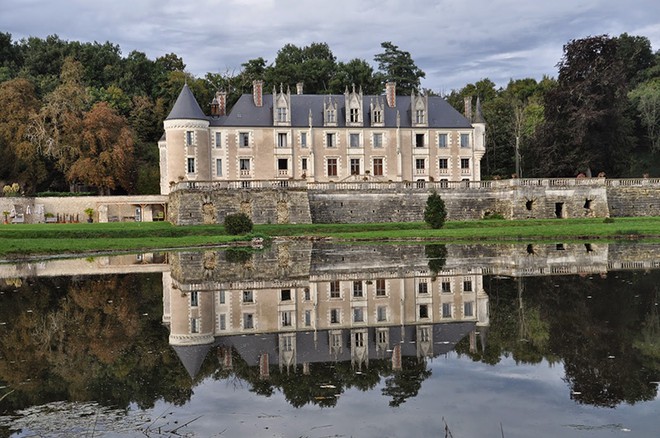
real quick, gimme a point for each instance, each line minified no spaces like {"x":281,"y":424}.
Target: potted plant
{"x":90,"y":213}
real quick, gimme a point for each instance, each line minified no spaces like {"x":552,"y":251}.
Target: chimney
{"x":390,"y":94}
{"x":468,"y":107}
{"x":257,"y":92}
{"x":219,"y":104}
{"x":299,"y":88}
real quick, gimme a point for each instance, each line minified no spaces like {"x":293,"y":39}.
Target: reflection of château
{"x":308,"y":306}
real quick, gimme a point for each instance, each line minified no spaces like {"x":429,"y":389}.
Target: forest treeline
{"x":83,"y":117}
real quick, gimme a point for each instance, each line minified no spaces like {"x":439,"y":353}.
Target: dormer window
{"x":330,"y":116}
{"x":419,"y":105}
{"x":329,"y":112}
{"x":281,"y":114}
{"x":355,"y":115}
{"x":376,"y":108}
{"x":420,"y":117}
{"x":281,"y":107}
{"x":377,"y":116}
{"x":353,"y":102}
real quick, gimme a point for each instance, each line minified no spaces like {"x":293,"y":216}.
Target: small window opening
{"x":529,"y":205}
{"x":587,"y":204}
{"x":559,"y":210}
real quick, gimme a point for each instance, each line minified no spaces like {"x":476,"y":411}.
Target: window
{"x":218,"y":167}
{"x":424,"y":335}
{"x":378,"y":116}
{"x":194,"y":299}
{"x":357,"y":288}
{"x":286,"y":319}
{"x":465,"y":140}
{"x":420,"y":164}
{"x":358,"y":314}
{"x":191,"y":165}
{"x":334,"y":316}
{"x":355,"y":115}
{"x":465,"y":163}
{"x":378,"y":140}
{"x":380,"y":287}
{"x":285,"y":295}
{"x":244,"y":139}
{"x":442,"y":141}
{"x":332,"y":166}
{"x":281,"y":140}
{"x":194,"y":325}
{"x":445,"y":286}
{"x":244,"y":164}
{"x":423,"y":311}
{"x":468,"y":309}
{"x":383,"y":336}
{"x":381,"y":313}
{"x":218,"y":140}
{"x":334,"y":289}
{"x":330,"y":116}
{"x":308,"y":295}
{"x":190,"y":136}
{"x":335,"y":340}
{"x":419,"y":116}
{"x":443,"y":163}
{"x":446,"y":310}
{"x":221,"y":297}
{"x":308,"y":318}
{"x":358,"y":339}
{"x":222,"y":322}
{"x":354,"y":140}
{"x":248,"y":321}
{"x":287,"y":343}
{"x":282,"y":164}
{"x":419,"y":140}
{"x":330,"y":140}
{"x":423,"y":288}
{"x":281,"y":114}
{"x":303,"y":164}
{"x":303,"y":139}
{"x":355,"y":166}
{"x":248,"y":296}
{"x":467,"y":285}
{"x":378,"y":166}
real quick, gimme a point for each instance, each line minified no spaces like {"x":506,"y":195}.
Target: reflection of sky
{"x":473,"y":398}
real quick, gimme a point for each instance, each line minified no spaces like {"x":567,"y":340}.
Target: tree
{"x":359,"y":72}
{"x":398,"y":66}
{"x":313,"y":65}
{"x":435,"y":213}
{"x":646,"y":99}
{"x":587,"y":125}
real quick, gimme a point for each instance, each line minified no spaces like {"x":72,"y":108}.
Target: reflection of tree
{"x":606,"y":332}
{"x":437,"y":256}
{"x":81,"y":339}
{"x":407,"y":382}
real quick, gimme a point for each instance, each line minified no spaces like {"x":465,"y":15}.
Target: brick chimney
{"x":299,"y":88}
{"x":257,"y":92}
{"x":468,"y":107}
{"x":219,"y":104}
{"x":390,"y":94}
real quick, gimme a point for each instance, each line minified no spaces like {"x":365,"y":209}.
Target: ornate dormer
{"x":353,"y":102}
{"x":329,"y":112}
{"x":419,"y":110}
{"x":377,"y":112}
{"x":282,"y":107}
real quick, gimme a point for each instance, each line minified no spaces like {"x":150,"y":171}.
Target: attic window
{"x":355,"y":115}
{"x":378,"y":116}
{"x":419,"y":116}
{"x":281,"y":115}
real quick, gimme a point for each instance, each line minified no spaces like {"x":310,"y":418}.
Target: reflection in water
{"x":313,"y":321}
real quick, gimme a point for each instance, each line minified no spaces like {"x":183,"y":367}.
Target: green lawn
{"x":132,"y":236}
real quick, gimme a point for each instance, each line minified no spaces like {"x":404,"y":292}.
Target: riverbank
{"x":16,"y":240}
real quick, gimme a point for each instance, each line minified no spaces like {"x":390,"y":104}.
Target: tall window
{"x":334,"y":289}
{"x":357,"y":289}
{"x":378,"y":140}
{"x":244,"y":164}
{"x":221,"y":297}
{"x":419,"y":140}
{"x":355,"y":115}
{"x":334,"y":316}
{"x":442,"y":141}
{"x":468,"y":309}
{"x":354,"y":140}
{"x":332,"y":166}
{"x":190,"y":136}
{"x":381,"y":313}
{"x":443,"y":163}
{"x":303,"y":164}
{"x":303,"y":139}
{"x":281,"y":140}
{"x":191,"y":165}
{"x":419,"y":116}
{"x":355,"y":166}
{"x":378,"y":116}
{"x":222,"y":322}
{"x":194,"y":325}
{"x":248,"y":321}
{"x":446,"y":310}
{"x":378,"y":166}
{"x":308,"y":318}
{"x":244,"y":139}
{"x":194,"y":299}
{"x":380,"y":287}
{"x":423,"y":311}
{"x":218,"y":140}
{"x":465,"y":163}
{"x":358,"y":314}
{"x":281,"y":114}
{"x":218,"y":167}
{"x":465,"y":140}
{"x":286,"y":319}
{"x":330,"y":140}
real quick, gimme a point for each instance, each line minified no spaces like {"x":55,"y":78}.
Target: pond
{"x":313,"y":339}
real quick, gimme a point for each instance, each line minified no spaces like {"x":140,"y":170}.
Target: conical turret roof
{"x":186,"y":106}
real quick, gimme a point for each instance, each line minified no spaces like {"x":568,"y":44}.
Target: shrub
{"x":608,"y":220}
{"x":239,"y":223}
{"x":435,"y":213}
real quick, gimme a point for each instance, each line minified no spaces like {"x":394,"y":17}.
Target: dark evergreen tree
{"x":435,"y":213}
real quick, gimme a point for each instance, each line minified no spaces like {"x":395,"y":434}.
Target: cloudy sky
{"x":454,"y":42}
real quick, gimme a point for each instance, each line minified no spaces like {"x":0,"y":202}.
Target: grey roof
{"x":186,"y":107}
{"x":245,"y":113}
{"x":192,"y":357}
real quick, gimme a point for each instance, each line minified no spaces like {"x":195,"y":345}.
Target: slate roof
{"x":245,"y":113}
{"x":186,"y":107}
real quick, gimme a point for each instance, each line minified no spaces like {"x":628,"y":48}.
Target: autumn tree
{"x":398,"y":66}
{"x":105,"y":155}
